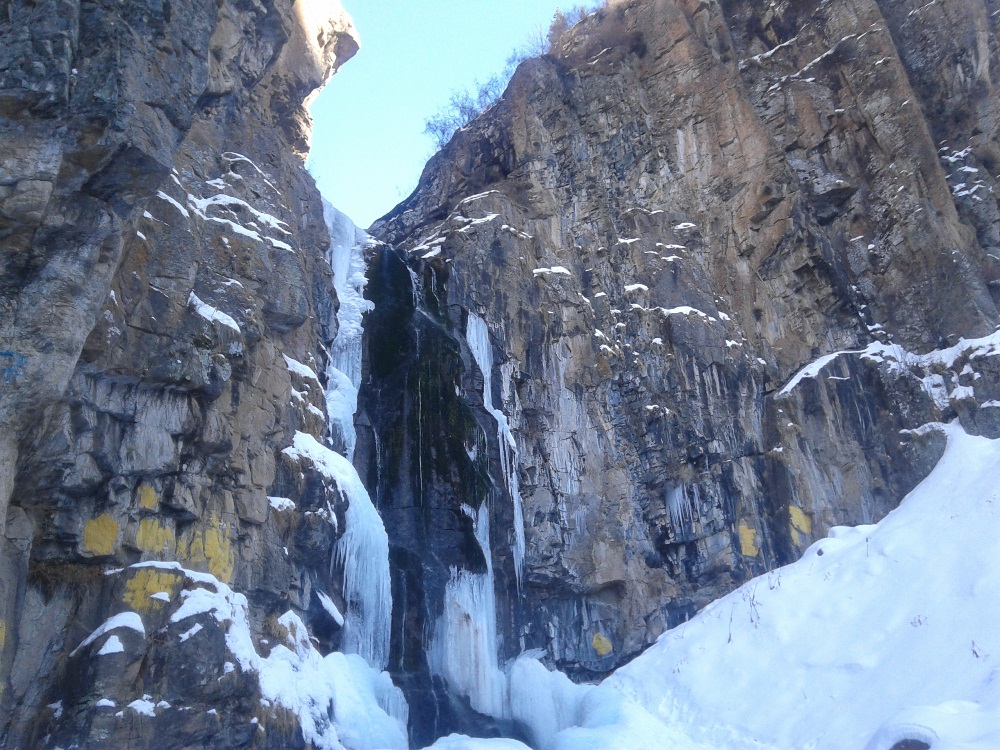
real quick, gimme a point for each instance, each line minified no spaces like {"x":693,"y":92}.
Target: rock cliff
{"x":164,"y":309}
{"x":667,"y":313}
{"x":673,"y":308}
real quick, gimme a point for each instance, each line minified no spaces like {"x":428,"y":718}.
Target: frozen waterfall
{"x":464,"y":648}
{"x":343,"y":372}
{"x":478,"y":336}
{"x":363,"y":551}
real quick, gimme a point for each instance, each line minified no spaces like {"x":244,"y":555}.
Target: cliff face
{"x":659,"y":226}
{"x":164,"y":300}
{"x":672,"y":309}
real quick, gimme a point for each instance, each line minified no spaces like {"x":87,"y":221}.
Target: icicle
{"x":478,"y":336}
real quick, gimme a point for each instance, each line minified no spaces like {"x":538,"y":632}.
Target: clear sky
{"x":368,"y":145}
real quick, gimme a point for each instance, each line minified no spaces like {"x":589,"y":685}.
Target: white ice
{"x":478,"y":336}
{"x":363,"y":553}
{"x":346,"y":258}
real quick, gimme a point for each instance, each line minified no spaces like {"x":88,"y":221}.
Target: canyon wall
{"x":164,"y":306}
{"x":672,"y":309}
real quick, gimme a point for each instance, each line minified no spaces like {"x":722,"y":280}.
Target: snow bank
{"x":878,"y":634}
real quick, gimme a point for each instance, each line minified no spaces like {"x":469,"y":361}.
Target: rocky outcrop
{"x":163,"y":308}
{"x":729,"y":258}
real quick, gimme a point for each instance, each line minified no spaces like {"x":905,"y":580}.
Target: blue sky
{"x":368,"y":144}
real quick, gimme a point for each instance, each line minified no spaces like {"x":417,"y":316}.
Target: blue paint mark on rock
{"x":11,"y":366}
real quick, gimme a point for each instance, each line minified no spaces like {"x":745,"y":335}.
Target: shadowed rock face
{"x":662,"y":222}
{"x":162,"y":251}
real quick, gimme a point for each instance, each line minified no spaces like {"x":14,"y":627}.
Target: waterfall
{"x":343,"y":371}
{"x":363,"y":550}
{"x":478,"y":336}
{"x":464,"y":648}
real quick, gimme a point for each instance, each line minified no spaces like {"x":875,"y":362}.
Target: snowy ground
{"x":878,"y":634}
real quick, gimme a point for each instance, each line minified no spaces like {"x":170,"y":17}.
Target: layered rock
{"x":662,"y":223}
{"x":164,"y":309}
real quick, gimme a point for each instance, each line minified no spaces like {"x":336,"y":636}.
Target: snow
{"x":192,"y":632}
{"x":554,"y":271}
{"x":280,"y":245}
{"x":281,"y":504}
{"x":463,"y":742}
{"x":112,"y":646}
{"x":476,"y":222}
{"x":684,"y":310}
{"x":898,"y":358}
{"x":212,"y":314}
{"x":362,"y":552}
{"x":878,"y":634}
{"x":432,"y":254}
{"x":478,"y":336}
{"x":330,"y":608}
{"x":300,"y":369}
{"x":163,"y":196}
{"x":201,"y":206}
{"x":129,"y":620}
{"x":161,"y":596}
{"x":143,"y":707}
{"x":105,"y":703}
{"x":636,"y":288}
{"x":338,"y":699}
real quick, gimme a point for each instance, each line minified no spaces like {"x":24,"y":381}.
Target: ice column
{"x":363,"y":550}
{"x":464,"y":648}
{"x":478,"y":336}
{"x":343,"y":372}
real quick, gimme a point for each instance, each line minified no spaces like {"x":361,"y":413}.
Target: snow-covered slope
{"x":878,"y":634}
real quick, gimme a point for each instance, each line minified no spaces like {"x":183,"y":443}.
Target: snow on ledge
{"x":129,"y":620}
{"x":554,"y":271}
{"x":300,"y":369}
{"x":212,"y":314}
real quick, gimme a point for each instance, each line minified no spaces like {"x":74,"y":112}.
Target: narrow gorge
{"x":696,"y":303}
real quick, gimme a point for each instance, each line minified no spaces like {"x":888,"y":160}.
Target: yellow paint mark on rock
{"x":748,"y":540}
{"x":149,"y":498}
{"x":146,"y":582}
{"x":801,"y":526}
{"x":3,"y":633}
{"x":155,"y":536}
{"x":100,"y":535}
{"x":602,"y":645}
{"x":208,"y":547}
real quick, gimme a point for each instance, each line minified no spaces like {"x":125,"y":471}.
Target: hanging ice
{"x":478,"y":336}
{"x":343,"y":372}
{"x":464,"y":647}
{"x":363,"y":552}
